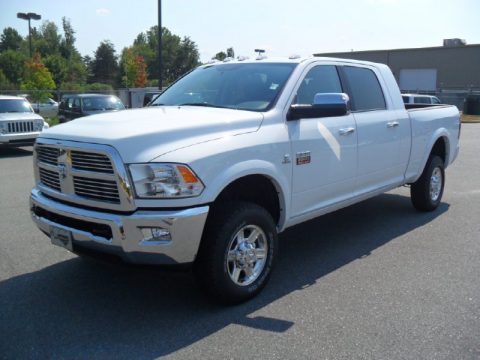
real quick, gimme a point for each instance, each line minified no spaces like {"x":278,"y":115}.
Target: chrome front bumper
{"x":122,"y":235}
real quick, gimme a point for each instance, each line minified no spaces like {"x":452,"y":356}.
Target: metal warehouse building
{"x":449,"y":71}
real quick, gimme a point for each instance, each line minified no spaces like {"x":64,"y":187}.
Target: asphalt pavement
{"x":377,"y":280}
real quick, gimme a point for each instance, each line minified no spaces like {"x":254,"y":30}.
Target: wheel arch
{"x":255,"y":181}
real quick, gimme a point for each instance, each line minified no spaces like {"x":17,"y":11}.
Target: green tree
{"x":58,"y":66}
{"x":37,"y":79}
{"x":67,"y":45}
{"x":104,"y":65}
{"x":178,"y":55}
{"x":220,"y":56}
{"x":47,"y":40}
{"x":10,"y":40}
{"x":5,"y":84}
{"x":12,"y":63}
{"x":134,"y":68}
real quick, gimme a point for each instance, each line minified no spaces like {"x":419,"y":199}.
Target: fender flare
{"x":254,"y":167}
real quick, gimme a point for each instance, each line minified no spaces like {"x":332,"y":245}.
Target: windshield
{"x":244,"y":86}
{"x":15,"y":106}
{"x":102,"y":103}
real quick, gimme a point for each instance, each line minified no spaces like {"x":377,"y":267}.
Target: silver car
{"x":47,"y":108}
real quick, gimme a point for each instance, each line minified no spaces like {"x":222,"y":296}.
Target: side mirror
{"x":324,"y":105}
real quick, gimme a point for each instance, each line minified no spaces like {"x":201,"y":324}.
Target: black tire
{"x":420,"y":191}
{"x":213,"y":267}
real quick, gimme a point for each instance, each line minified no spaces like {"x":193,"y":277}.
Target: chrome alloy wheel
{"x":436,"y":182}
{"x":247,"y":255}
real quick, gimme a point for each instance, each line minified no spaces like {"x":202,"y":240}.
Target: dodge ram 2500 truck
{"x":229,"y":156}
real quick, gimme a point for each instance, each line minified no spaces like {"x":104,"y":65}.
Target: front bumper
{"x":122,"y":235}
{"x":21,"y":139}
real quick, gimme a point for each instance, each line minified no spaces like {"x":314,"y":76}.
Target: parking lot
{"x":377,"y":280}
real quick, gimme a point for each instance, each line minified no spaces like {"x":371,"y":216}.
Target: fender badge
{"x":303,"y":157}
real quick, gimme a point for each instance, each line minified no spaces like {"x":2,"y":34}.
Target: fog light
{"x":155,"y":234}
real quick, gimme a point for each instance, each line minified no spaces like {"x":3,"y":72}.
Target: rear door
{"x":324,"y":150}
{"x":383,"y":133}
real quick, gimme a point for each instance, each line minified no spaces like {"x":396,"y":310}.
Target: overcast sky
{"x":281,"y":27}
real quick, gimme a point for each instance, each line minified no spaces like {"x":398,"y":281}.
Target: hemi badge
{"x":303,"y":157}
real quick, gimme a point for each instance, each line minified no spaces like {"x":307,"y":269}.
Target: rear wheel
{"x":237,"y":252}
{"x":426,"y":193}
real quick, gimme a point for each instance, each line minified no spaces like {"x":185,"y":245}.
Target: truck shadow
{"x":9,"y":152}
{"x":82,"y":307}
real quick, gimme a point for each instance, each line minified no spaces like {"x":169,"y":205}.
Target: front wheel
{"x":237,"y":253}
{"x":426,"y":193}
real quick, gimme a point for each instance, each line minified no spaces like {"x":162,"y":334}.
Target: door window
{"x":319,"y":79}
{"x":76,"y":104}
{"x":365,"y":90}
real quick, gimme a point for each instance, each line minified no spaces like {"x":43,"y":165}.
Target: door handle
{"x":346,"y":131}
{"x":392,"y":124}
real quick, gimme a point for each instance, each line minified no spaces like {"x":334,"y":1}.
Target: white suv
{"x":420,"y":99}
{"x":19,"y":125}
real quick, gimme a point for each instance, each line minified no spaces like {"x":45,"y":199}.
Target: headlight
{"x":38,"y":125}
{"x":165,"y":181}
{"x":3,"y":127}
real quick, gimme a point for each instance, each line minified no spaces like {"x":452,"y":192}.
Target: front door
{"x":324,"y":150}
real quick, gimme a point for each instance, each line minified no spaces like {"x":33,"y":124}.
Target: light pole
{"x":160,"y":64}
{"x":29,"y":16}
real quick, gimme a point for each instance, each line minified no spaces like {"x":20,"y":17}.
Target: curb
{"x":470,"y":119}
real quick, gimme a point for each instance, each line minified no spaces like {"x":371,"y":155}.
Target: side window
{"x":70,"y":103}
{"x":421,"y":100}
{"x":76,"y":103}
{"x":320,"y":79}
{"x":365,"y":89}
{"x":435,"y":100}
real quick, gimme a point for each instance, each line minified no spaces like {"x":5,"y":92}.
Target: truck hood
{"x":19,"y":116}
{"x":140,"y":135}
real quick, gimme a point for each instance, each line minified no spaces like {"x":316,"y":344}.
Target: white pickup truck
{"x":229,"y":156}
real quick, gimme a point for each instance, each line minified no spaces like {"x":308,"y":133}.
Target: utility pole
{"x":160,"y":64}
{"x":29,"y":16}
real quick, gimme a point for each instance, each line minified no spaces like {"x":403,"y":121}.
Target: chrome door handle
{"x":392,"y":124}
{"x":346,"y":131}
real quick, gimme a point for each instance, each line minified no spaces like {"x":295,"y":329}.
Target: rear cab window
{"x":421,"y":100}
{"x":364,"y":89}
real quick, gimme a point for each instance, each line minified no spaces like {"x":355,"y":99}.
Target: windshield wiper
{"x":202,"y":104}
{"x":156,"y":104}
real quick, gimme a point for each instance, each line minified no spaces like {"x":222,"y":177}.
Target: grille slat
{"x":91,"y":162}
{"x":48,"y":155}
{"x":96,"y":189}
{"x":14,"y":127}
{"x":93,"y":187}
{"x":50,"y":179}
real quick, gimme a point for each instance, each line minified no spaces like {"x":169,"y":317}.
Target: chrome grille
{"x":19,"y":127}
{"x":82,"y":173}
{"x":88,"y":161}
{"x":96,"y":189}
{"x":50,"y":179}
{"x":48,"y":155}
